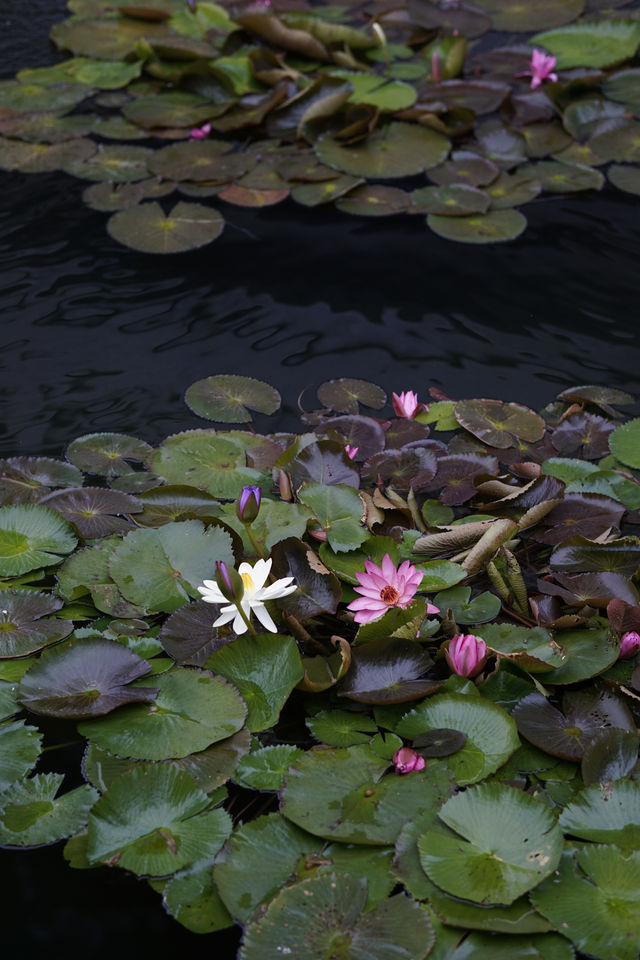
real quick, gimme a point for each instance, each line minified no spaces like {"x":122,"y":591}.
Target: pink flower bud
{"x":350,"y":451}
{"x":201,"y":133}
{"x":406,"y":404}
{"x":407,"y":760}
{"x":466,"y":654}
{"x":248,"y":504}
{"x":629,"y":645}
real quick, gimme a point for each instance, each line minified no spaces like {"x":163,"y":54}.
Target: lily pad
{"x":591,"y":43}
{"x":345,"y":394}
{"x":456,"y":200}
{"x":20,"y":747}
{"x":588,"y":653}
{"x":387,"y":671}
{"x":484,"y":607}
{"x":464,"y":167}
{"x":146,"y":227}
{"x":374,"y":200}
{"x":84,"y":678}
{"x":193,"y":900}
{"x":503,"y":857}
{"x":510,"y":190}
{"x":22,"y":629}
{"x":515,"y":16}
{"x":496,"y":226}
{"x":396,"y":150}
{"x":265,"y":769}
{"x":338,"y":510}
{"x":32,"y":536}
{"x":103,"y":39}
{"x":107,"y":454}
{"x":93,"y":511}
{"x":229,"y":398}
{"x":624,"y":443}
{"x":612,"y":755}
{"x":154,"y":820}
{"x":117,"y":164}
{"x":497,"y":423}
{"x":208,"y":461}
{"x":315,"y":194}
{"x":490,"y":731}
{"x":558,"y":177}
{"x":32,"y":816}
{"x":605,"y":813}
{"x":25,"y":479}
{"x":192,"y":711}
{"x":318,"y":590}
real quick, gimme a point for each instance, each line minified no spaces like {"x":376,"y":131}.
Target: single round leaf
{"x":591,"y":43}
{"x":146,"y":228}
{"x":344,"y":395}
{"x":193,"y":900}
{"x":624,"y":443}
{"x":497,"y":423}
{"x":31,"y":815}
{"x":229,"y":398}
{"x":107,"y":454}
{"x":519,"y":17}
{"x":265,"y":769}
{"x":93,"y":511}
{"x":22,"y":629}
{"x":611,"y":755}
{"x":20,"y":747}
{"x":496,"y":226}
{"x":32,"y":536}
{"x":605,"y":813}
{"x":455,"y":200}
{"x":386,"y":671}
{"x":396,"y":150}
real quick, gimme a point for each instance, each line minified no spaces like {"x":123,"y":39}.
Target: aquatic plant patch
{"x":459,"y":113}
{"x":370,"y":689}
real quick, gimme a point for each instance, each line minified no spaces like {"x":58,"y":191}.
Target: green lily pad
{"x":146,"y":227}
{"x":338,"y":510}
{"x":497,"y":423}
{"x":464,"y":167}
{"x":32,"y":536}
{"x":160,"y":569}
{"x":44,"y":157}
{"x":200,"y":161}
{"x":503,"y":857}
{"x":625,"y":178}
{"x":103,"y":39}
{"x":605,"y":813}
{"x":486,"y":606}
{"x":265,"y":669}
{"x":345,"y":394}
{"x":558,"y":177}
{"x":543,"y":946}
{"x":107,"y":75}
{"x":107,"y":454}
{"x":340,"y":728}
{"x":588,"y":653}
{"x":22,"y":629}
{"x":455,"y":200}
{"x":490,"y":731}
{"x":496,"y":226}
{"x":374,"y":200}
{"x":229,"y":398}
{"x":315,"y":194}
{"x":192,"y":711}
{"x":20,"y":747}
{"x":114,"y":163}
{"x":154,"y":820}
{"x":50,"y":127}
{"x":517,"y":918}
{"x":396,"y":150}
{"x":387,"y":95}
{"x":32,"y":816}
{"x":87,"y":571}
{"x":277,"y":520}
{"x":344,"y":794}
{"x":208,"y":461}
{"x":510,"y":190}
{"x":109,"y":197}
{"x":591,"y":43}
{"x":624,"y":443}
{"x":84,"y":678}
{"x":533,"y":650}
{"x":317,"y":916}
{"x":31,"y":97}
{"x":8,"y":702}
{"x":93,"y":511}
{"x":595,"y":900}
{"x":265,"y":769}
{"x":192,"y":899}
{"x":610,"y":756}
{"x":520,"y":17}
{"x":25,"y":479}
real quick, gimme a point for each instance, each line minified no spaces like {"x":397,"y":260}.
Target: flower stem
{"x":246,"y":619}
{"x":259,"y":549}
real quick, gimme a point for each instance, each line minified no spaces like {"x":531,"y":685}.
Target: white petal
{"x":211,"y":596}
{"x":227,"y":614}
{"x":281,"y":588}
{"x":239,"y":626}
{"x":260,"y":573}
{"x":264,"y":617}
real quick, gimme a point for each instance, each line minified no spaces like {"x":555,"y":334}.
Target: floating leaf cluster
{"x":416,"y":107}
{"x":253,"y":778}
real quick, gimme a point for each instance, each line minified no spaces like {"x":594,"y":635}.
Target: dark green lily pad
{"x":87,"y":571}
{"x":201,"y":161}
{"x":588,"y":653}
{"x":193,"y":900}
{"x":50,"y":127}
{"x":543,"y":946}
{"x":510,"y":190}
{"x":515,"y":16}
{"x":563,"y":177}
{"x":20,"y":747}
{"x":265,"y":769}
{"x":345,"y":394}
{"x":480,"y":96}
{"x":32,"y":536}
{"x":481,"y":609}
{"x":464,"y":167}
{"x":315,"y":194}
{"x":44,"y":157}
{"x":490,"y":732}
{"x":496,"y":226}
{"x":103,"y":39}
{"x":503,"y":857}
{"x":154,"y":820}
{"x":605,"y":813}
{"x":340,"y":728}
{"x":338,"y":510}
{"x":624,"y":443}
{"x":228,"y":398}
{"x":192,"y":711}
{"x":114,"y":163}
{"x":439,"y":743}
{"x":594,"y":900}
{"x":206,"y":460}
{"x":625,"y":178}
{"x":107,"y":75}
{"x":331,"y":908}
{"x":387,"y":671}
{"x":577,"y":554}
{"x":32,"y":816}
{"x":22,"y":629}
{"x":318,"y":591}
{"x":265,"y":669}
{"x":455,"y":200}
{"x":146,"y":227}
{"x":31,"y":97}
{"x":25,"y":479}
{"x":109,"y":197}
{"x":396,"y":150}
{"x":591,"y":43}
{"x":93,"y":511}
{"x":611,"y":755}
{"x":83,"y":679}
{"x":533,"y":650}
{"x":497,"y":423}
{"x":107,"y":453}
{"x":374,"y":200}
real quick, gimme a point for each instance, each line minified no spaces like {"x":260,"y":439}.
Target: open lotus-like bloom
{"x":542,"y":65}
{"x":384,"y":587}
{"x":254,"y":596}
{"x":406,"y":404}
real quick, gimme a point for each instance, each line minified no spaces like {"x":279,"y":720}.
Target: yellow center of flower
{"x":247,"y":582}
{"x":389,"y":595}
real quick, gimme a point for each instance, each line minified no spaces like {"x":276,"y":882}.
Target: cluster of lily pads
{"x":369,"y":690}
{"x":326,"y":104}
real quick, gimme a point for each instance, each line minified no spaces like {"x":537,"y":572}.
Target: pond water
{"x":96,"y":337}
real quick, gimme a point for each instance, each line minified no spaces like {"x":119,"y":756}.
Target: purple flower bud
{"x":629,"y":645}
{"x":229,"y":582}
{"x":248,"y":504}
{"x":466,"y":654}
{"x":407,"y":760}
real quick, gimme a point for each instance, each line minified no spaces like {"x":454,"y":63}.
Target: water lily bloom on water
{"x":407,"y":760}
{"x":201,"y":133}
{"x":629,"y":645}
{"x":466,"y":654}
{"x":384,"y":587}
{"x":350,"y":451}
{"x":541,"y":65}
{"x":253,"y":599}
{"x":406,"y":404}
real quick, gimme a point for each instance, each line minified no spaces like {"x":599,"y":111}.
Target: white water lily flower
{"x":255,"y":593}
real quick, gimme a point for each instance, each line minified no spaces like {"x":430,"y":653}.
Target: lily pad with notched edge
{"x":193,"y":900}
{"x":339,"y":510}
{"x":118,"y":164}
{"x":146,"y":227}
{"x":533,"y":650}
{"x":510,"y":190}
{"x":207,"y":460}
{"x":43,"y":157}
{"x":481,"y":609}
{"x":624,"y":443}
{"x":84,"y":678}
{"x":345,"y":394}
{"x":387,"y":671}
{"x":154,"y":820}
{"x":104,"y":39}
{"x":497,"y":423}
{"x":32,"y":816}
{"x":109,"y":197}
{"x":374,"y":200}
{"x":588,"y":653}
{"x":318,"y":590}
{"x":22,"y":629}
{"x":93,"y":511}
{"x":228,"y":398}
{"x":265,"y":769}
{"x":107,"y":453}
{"x":611,"y":755}
{"x":455,"y":200}
{"x":499,"y":858}
{"x":189,"y":636}
{"x":464,"y":167}
{"x":20,"y":747}
{"x":496,"y":226}
{"x":605,"y":813}
{"x":192,"y":711}
{"x":591,"y":43}
{"x":395,"y":150}
{"x":558,"y":177}
{"x":315,"y":194}
{"x":25,"y":479}
{"x":513,"y":15}
{"x":32,"y":536}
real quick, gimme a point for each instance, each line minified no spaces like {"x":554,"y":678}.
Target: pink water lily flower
{"x":466,"y":654}
{"x":407,"y":405}
{"x":350,"y":451}
{"x":385,"y":587}
{"x":541,"y":65}
{"x":629,"y":645}
{"x":406,"y":760}
{"x":201,"y":133}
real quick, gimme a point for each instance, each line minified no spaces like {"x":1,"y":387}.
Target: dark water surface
{"x":96,"y":337}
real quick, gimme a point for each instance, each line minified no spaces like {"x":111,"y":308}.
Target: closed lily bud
{"x":284,"y":485}
{"x":350,"y":451}
{"x":407,"y":760}
{"x":629,"y":645}
{"x":248,"y":504}
{"x":229,"y":582}
{"x":466,"y":654}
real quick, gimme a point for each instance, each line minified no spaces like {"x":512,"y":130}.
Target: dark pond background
{"x":96,"y":337}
